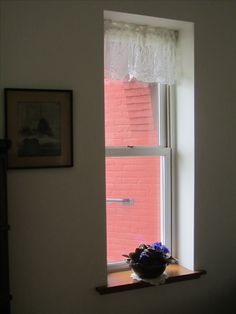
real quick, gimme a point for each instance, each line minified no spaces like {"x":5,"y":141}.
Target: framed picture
{"x":39,"y":126}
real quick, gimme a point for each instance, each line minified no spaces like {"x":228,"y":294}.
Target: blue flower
{"x":158,"y":246}
{"x":165,"y":249}
{"x":145,"y":258}
{"x":143,"y":255}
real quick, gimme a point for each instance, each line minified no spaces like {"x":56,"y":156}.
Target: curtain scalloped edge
{"x":140,"y":52}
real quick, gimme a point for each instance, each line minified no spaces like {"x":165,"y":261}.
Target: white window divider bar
{"x":137,"y":151}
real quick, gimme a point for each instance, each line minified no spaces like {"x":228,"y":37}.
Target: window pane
{"x":131,"y":113}
{"x":133,"y":203}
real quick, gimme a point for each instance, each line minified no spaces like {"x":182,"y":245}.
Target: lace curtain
{"x":139,"y":52}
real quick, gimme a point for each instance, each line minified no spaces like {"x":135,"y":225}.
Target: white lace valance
{"x":145,"y":53}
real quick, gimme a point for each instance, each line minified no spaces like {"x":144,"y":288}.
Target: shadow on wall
{"x":223,"y":302}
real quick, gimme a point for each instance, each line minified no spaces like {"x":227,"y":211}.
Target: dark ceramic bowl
{"x":148,"y":271}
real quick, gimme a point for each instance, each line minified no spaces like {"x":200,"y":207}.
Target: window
{"x":126,"y":62}
{"x":138,"y":157}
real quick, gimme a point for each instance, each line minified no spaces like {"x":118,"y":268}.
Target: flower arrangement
{"x":150,"y":261}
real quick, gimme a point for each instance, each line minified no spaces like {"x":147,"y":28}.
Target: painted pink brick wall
{"x":129,"y":121}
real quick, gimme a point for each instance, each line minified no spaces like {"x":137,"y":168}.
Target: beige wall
{"x":57,"y":216}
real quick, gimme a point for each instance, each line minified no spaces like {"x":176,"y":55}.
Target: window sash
{"x":165,"y":211}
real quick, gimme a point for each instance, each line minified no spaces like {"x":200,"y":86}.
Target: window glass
{"x":133,"y":203}
{"x":131,"y":113}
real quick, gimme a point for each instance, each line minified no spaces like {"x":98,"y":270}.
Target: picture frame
{"x":38,"y":122}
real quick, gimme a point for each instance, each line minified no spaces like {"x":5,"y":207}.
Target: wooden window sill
{"x":121,"y":281}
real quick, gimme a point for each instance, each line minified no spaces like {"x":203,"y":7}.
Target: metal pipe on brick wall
{"x":126,"y":201}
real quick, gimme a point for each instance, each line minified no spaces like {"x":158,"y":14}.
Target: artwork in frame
{"x":39,"y":126}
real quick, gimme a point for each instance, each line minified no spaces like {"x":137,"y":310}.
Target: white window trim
{"x":166,"y":209}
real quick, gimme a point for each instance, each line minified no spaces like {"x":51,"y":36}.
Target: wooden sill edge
{"x":121,"y":281}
